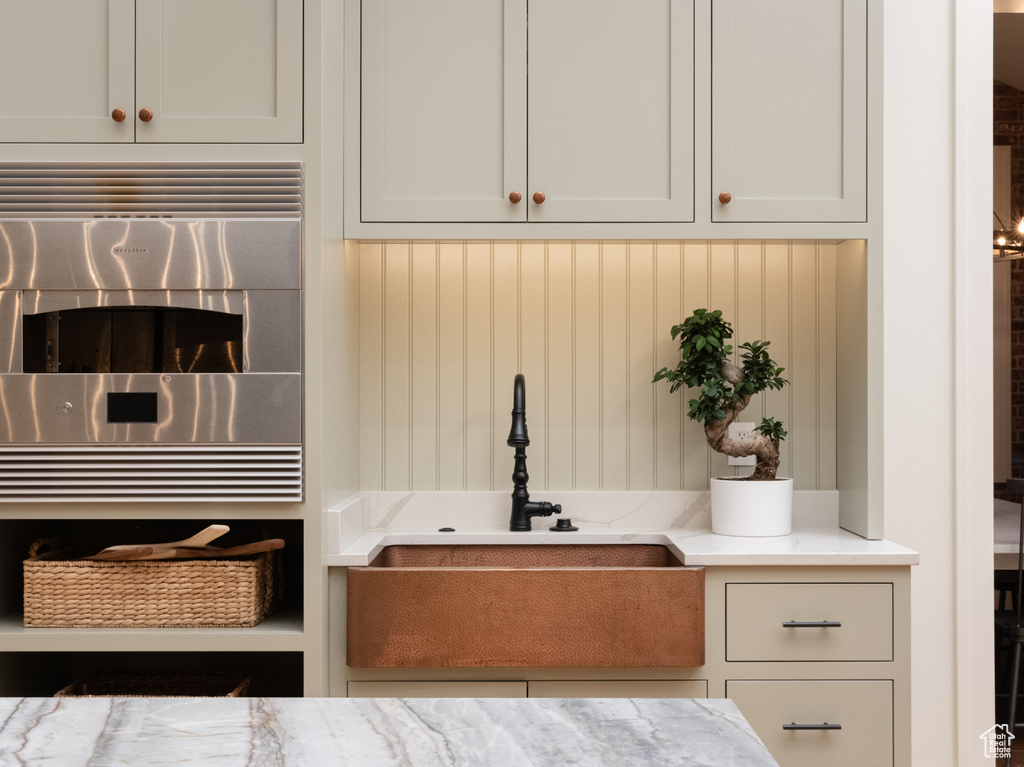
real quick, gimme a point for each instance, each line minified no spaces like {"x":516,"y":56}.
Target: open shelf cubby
{"x":42,"y":674}
{"x":16,"y":536}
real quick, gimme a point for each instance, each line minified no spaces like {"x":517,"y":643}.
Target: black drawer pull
{"x":812,"y":624}
{"x":822,"y":726}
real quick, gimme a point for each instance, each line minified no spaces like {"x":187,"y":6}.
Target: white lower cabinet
{"x":816,"y":658}
{"x":841,"y":723}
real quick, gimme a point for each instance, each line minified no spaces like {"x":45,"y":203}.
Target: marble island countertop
{"x":357,"y":531}
{"x":382,"y":732}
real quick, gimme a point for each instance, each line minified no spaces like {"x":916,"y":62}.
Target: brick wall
{"x":1008,"y":130}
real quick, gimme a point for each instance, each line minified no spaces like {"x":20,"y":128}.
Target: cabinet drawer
{"x":862,"y":709}
{"x":755,"y":614}
{"x":620,"y":688}
{"x":399,"y":689}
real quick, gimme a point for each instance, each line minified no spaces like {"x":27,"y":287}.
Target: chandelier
{"x":1007,"y":244}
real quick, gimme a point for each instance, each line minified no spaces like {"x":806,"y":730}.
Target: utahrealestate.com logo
{"x":997,"y":741}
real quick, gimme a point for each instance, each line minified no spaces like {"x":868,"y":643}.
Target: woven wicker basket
{"x":145,"y":683}
{"x":64,"y":592}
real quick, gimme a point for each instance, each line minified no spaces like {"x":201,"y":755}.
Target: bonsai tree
{"x":726,"y":388}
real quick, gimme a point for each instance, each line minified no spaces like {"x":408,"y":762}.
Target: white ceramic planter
{"x":753,"y":509}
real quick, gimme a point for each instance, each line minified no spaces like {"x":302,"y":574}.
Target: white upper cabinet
{"x":789,"y":110}
{"x":604,"y":112}
{"x":611,"y":110}
{"x":67,"y":65}
{"x":151,"y":71}
{"x":451,"y":132}
{"x":443,"y":110}
{"x":219,"y":70}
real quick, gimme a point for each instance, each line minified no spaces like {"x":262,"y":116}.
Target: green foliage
{"x":702,"y":338}
{"x":703,"y":349}
{"x":759,"y":372}
{"x":773,"y":430}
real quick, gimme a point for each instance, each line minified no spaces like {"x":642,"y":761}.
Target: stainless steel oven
{"x":153,"y":354}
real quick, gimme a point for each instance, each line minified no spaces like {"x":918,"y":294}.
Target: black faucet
{"x":522,"y":507}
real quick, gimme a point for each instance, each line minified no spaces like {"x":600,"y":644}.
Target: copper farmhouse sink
{"x":596,"y":605}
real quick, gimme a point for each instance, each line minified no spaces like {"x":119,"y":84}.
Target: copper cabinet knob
{"x":514,"y":197}
{"x":145,"y":115}
{"x":118,"y":115}
{"x":538,"y":197}
{"x":724,"y":198}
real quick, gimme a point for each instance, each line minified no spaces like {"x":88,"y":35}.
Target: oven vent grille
{"x":141,"y":473}
{"x":150,"y":190}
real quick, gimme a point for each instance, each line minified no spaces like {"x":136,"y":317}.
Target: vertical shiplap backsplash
{"x":445,"y":326}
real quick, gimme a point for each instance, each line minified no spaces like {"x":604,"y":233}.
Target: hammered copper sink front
{"x":602,"y":605}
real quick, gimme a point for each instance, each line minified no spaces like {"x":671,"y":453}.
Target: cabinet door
{"x":443,"y":110}
{"x":219,"y":70}
{"x":67,"y":65}
{"x":789,"y":110}
{"x":611,"y":110}
{"x":808,"y":723}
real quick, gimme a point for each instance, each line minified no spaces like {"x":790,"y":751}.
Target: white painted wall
{"x":974,"y":457}
{"x":937,"y":354}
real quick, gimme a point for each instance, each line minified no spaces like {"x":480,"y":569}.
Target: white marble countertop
{"x":382,"y":732}
{"x":359,"y":529}
{"x":811,"y":546}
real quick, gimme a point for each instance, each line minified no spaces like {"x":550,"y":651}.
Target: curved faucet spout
{"x":518,"y":436}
